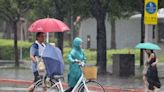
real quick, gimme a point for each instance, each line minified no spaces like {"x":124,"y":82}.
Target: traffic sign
{"x":150,"y":11}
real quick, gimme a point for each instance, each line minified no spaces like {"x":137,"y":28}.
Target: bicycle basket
{"x":90,"y":72}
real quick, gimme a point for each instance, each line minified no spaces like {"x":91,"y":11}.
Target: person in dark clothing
{"x":152,"y":72}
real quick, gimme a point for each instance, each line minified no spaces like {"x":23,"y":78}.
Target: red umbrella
{"x":48,"y":25}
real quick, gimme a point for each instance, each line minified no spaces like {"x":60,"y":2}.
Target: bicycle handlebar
{"x":79,"y":62}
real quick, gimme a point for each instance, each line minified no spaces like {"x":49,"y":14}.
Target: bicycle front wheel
{"x":38,"y":86}
{"x":91,"y":86}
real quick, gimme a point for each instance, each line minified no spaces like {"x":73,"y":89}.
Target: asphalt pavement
{"x":107,"y":80}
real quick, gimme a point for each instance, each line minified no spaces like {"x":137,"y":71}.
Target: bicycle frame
{"x":59,"y":85}
{"x":81,"y":79}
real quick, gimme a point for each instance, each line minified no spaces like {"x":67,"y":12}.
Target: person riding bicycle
{"x":76,"y":54}
{"x":36,"y":50}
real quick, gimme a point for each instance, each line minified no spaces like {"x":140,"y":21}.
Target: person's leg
{"x":36,"y":76}
{"x":150,"y":91}
{"x":31,"y":88}
{"x":35,"y":71}
{"x":156,"y":89}
{"x":70,"y":83}
{"x":145,"y":83}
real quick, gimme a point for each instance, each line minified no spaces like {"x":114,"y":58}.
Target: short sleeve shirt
{"x":34,"y":50}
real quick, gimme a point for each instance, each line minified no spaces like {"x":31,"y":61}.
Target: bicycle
{"x":52,"y":70}
{"x":83,"y":85}
{"x":46,"y":84}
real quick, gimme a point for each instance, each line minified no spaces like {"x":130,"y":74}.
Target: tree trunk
{"x":60,"y":40}
{"x":15,"y":45}
{"x":101,"y":45}
{"x":113,"y":33}
{"x":99,"y":13}
{"x":60,"y":16}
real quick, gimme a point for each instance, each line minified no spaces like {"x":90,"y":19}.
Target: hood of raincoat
{"x":77,"y":42}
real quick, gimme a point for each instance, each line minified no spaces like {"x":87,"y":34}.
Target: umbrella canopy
{"x":48,"y":25}
{"x":53,"y":52}
{"x":53,"y":60}
{"x":148,"y":45}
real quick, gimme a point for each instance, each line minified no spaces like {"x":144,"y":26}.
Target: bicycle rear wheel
{"x":50,"y":88}
{"x":92,"y":86}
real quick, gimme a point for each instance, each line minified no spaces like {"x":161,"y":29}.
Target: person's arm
{"x":151,"y":57}
{"x":33,"y":58}
{"x":33,"y":53}
{"x":70,"y":58}
{"x":155,"y":63}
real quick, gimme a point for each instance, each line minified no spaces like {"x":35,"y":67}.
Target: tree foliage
{"x":98,"y":9}
{"x":12,"y":11}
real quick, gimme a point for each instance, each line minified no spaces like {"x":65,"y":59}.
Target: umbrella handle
{"x":47,"y":37}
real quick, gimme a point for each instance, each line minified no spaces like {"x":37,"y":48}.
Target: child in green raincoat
{"x":75,"y":70}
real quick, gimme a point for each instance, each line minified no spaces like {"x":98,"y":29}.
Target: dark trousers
{"x":36,"y":76}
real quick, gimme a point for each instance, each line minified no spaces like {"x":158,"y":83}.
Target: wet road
{"x":105,"y":80}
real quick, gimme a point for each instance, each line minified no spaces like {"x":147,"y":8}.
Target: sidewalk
{"x":18,"y":86}
{"x":17,"y":78}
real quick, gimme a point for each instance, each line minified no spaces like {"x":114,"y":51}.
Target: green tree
{"x":160,"y":4}
{"x":69,"y":11}
{"x":138,"y":6}
{"x":60,"y":14}
{"x":117,"y":10}
{"x":41,"y":9}
{"x":98,"y":10}
{"x":12,"y":11}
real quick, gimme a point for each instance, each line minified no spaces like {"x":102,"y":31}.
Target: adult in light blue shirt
{"x":36,"y":50}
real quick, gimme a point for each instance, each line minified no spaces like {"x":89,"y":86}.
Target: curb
{"x":17,"y":82}
{"x":107,"y":88}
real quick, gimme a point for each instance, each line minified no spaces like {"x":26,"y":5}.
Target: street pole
{"x":21,"y":29}
{"x":21,"y":40}
{"x":146,"y":39}
{"x":146,"y":33}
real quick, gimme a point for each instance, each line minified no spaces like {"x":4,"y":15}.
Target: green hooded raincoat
{"x":74,"y":70}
